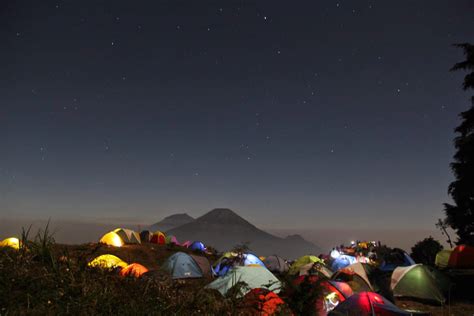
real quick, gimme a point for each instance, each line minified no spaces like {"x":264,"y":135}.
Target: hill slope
{"x":171,"y":222}
{"x":223,"y":229}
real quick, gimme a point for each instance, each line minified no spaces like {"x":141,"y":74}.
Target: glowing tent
{"x":134,"y":269}
{"x":112,"y":239}
{"x":304,"y":260}
{"x":158,"y":238}
{"x":11,"y":242}
{"x":420,"y":282}
{"x":197,"y":246}
{"x":367,"y":304}
{"x":107,"y":262}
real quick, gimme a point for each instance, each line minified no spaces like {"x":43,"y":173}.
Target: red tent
{"x":462,"y":257}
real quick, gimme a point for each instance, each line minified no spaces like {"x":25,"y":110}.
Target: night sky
{"x":309,"y":114}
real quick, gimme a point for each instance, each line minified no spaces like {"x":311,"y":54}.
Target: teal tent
{"x":248,"y":277}
{"x":182,"y":266}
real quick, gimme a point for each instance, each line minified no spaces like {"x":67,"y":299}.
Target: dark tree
{"x":425,"y":251}
{"x":460,"y":215}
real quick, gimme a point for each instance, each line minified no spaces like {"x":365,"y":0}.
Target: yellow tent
{"x":302,"y":261}
{"x":107,"y":262}
{"x":11,"y":242}
{"x":112,"y":239}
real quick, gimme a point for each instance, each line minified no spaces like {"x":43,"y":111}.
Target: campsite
{"x":161,"y":275}
{"x":237,"y":157}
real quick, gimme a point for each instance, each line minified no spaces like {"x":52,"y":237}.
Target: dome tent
{"x":11,"y":242}
{"x":276,"y":264}
{"x":420,"y":282}
{"x":107,"y":262}
{"x":356,"y":275}
{"x":231,"y":259}
{"x":252,"y":276}
{"x":112,"y":239}
{"x":145,"y":235}
{"x":183,"y":266}
{"x":158,"y":238}
{"x":367,"y":304}
{"x":302,"y":261}
{"x":128,"y":236}
{"x":197,"y":246}
{"x":134,"y":269}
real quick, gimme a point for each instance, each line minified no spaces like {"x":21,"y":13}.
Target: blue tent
{"x":182,"y":266}
{"x":342,"y":261}
{"x":226,"y":263}
{"x":197,"y":246}
{"x":252,"y":259}
{"x":398,"y":258}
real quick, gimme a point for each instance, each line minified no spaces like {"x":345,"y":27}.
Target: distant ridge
{"x":223,"y":229}
{"x":171,"y":222}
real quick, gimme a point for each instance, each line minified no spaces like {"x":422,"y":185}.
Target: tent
{"x":112,"y":239}
{"x":276,"y":264}
{"x":356,"y":275}
{"x":342,"y":261}
{"x":396,"y":258}
{"x":183,"y":266}
{"x":186,"y":244}
{"x":420,"y":282}
{"x":316,"y":268}
{"x":107,"y":262}
{"x":442,"y":258}
{"x":197,"y":246}
{"x":333,"y":292}
{"x":367,"y":304}
{"x":250,"y":277}
{"x":171,"y":240}
{"x":133,"y":269}
{"x":11,"y":242}
{"x":145,"y":235}
{"x":128,"y":236}
{"x":304,"y":260}
{"x":462,"y":257}
{"x":230,"y":259}
{"x":158,"y":238}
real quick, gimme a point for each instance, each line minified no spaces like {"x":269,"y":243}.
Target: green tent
{"x":442,"y":258}
{"x":251,"y":277}
{"x":302,"y":261}
{"x":420,"y":282}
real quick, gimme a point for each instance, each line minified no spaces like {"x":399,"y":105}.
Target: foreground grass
{"x":38,"y":280}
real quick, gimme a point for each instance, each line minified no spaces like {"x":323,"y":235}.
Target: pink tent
{"x":187,"y":243}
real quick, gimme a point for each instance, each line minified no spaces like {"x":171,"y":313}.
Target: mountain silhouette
{"x":171,"y":222}
{"x":223,"y":229}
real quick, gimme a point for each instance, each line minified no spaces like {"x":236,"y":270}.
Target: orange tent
{"x":133,"y":269}
{"x":158,"y":238}
{"x":462,"y":257}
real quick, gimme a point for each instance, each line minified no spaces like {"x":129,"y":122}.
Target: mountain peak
{"x":172,"y":221}
{"x":223,"y":216}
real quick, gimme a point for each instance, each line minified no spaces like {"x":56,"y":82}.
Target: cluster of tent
{"x":122,"y":236}
{"x":180,"y":266}
{"x":351,"y":282}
